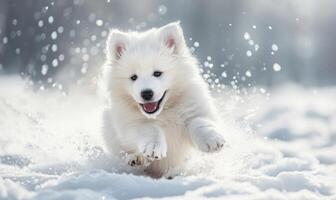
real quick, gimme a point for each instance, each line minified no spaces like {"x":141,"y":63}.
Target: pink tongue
{"x":150,"y":107}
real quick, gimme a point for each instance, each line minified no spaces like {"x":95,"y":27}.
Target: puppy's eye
{"x":157,"y":73}
{"x":134,"y":77}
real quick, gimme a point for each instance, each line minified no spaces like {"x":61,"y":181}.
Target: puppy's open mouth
{"x":152,"y":107}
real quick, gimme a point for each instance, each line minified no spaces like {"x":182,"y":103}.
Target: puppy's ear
{"x":172,"y":37}
{"x":116,"y":45}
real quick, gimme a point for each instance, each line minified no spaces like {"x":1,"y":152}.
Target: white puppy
{"x":159,"y":104}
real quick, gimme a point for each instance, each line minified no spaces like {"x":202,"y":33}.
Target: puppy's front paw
{"x":136,"y":160}
{"x":207,"y":139}
{"x":154,"y":150}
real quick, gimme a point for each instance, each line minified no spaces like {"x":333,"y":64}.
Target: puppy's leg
{"x":136,"y":160}
{"x":205,"y":135}
{"x":154,"y":145}
{"x":142,"y":144}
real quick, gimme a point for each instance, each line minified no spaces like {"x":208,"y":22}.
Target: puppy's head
{"x":144,"y":65}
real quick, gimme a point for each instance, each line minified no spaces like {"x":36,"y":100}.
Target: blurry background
{"x":238,"y":42}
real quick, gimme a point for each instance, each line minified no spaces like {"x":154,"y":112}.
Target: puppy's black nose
{"x":147,"y":94}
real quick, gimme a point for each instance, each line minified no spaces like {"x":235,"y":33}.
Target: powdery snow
{"x":283,"y":148}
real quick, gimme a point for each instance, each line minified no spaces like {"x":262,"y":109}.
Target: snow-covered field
{"x":281,"y":148}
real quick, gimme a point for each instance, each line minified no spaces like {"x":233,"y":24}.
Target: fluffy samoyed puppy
{"x":159,"y":105}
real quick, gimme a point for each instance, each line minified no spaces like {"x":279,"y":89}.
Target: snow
{"x":276,"y":67}
{"x":275,"y":47}
{"x":248,"y":73}
{"x":54,"y":47}
{"x":281,"y":148}
{"x":162,"y":10}
{"x":5,"y":40}
{"x":99,"y":22}
{"x":40,"y":23}
{"x":249,"y":53}
{"x":15,"y":22}
{"x":256,"y":47}
{"x":60,"y":29}
{"x":53,"y":35}
{"x":247,"y":36}
{"x":55,"y":63}
{"x":44,"y":69}
{"x":50,"y":19}
{"x":61,"y":57}
{"x":262,"y":90}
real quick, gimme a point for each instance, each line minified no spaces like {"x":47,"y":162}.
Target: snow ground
{"x":283,"y":148}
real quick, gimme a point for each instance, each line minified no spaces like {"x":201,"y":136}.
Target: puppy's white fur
{"x":155,"y":143}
